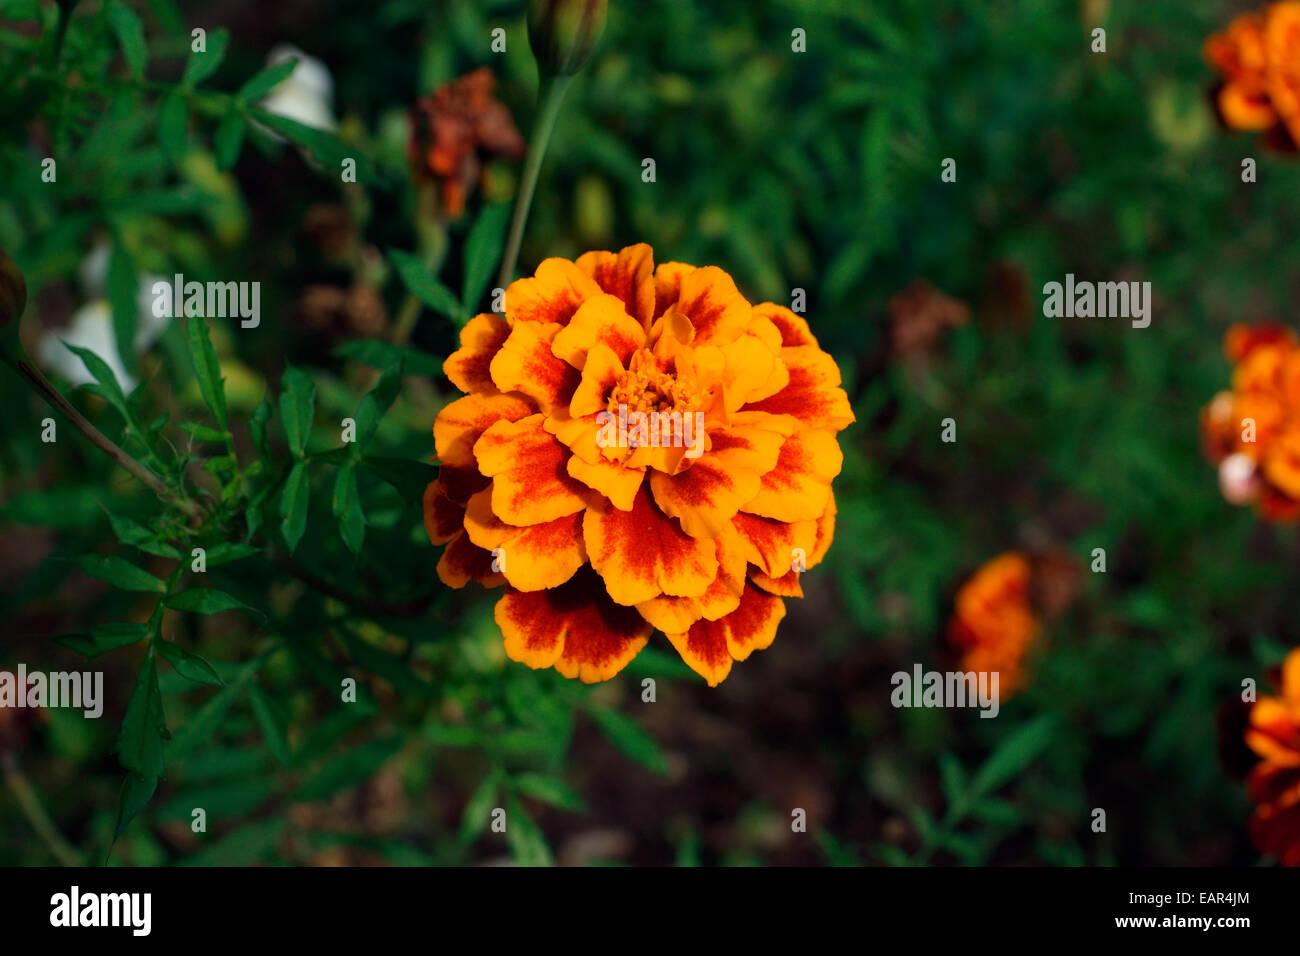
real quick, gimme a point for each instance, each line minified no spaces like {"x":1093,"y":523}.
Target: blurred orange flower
{"x":453,"y":128}
{"x":1274,"y":736}
{"x":603,"y":529}
{"x":994,"y":622}
{"x":1252,"y":431}
{"x":1258,"y":56}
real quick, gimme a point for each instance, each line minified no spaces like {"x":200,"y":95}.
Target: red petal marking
{"x":770,"y":545}
{"x":642,"y":553}
{"x":709,"y":647}
{"x":793,"y":328}
{"x":526,"y":364}
{"x":717,"y":310}
{"x":463,"y":561}
{"x":668,"y":283}
{"x":460,"y":425}
{"x":553,"y":295}
{"x":468,"y":367}
{"x":813,"y":395}
{"x":628,"y":275}
{"x":575,"y":628}
{"x":533,"y":558}
{"x":443,"y":518}
{"x":528,"y":464}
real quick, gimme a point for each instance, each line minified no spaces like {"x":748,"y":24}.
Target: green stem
{"x":61,"y":31}
{"x":549,"y":99}
{"x":101,"y":441}
{"x":30,"y":803}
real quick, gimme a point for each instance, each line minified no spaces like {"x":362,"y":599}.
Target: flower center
{"x":645,"y":387}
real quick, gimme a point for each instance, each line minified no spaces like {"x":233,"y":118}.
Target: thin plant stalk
{"x":550,"y":97}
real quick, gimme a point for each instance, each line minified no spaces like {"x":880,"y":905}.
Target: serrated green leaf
{"x":478,"y":809}
{"x":228,"y":139}
{"x":129,"y":29}
{"x":189,"y":665}
{"x":293,"y":505}
{"x":420,"y":283}
{"x":201,"y":432}
{"x":140,"y":741}
{"x":272,"y":725}
{"x":205,"y":601}
{"x":124,"y":299}
{"x":227,"y":551}
{"x":137,"y":790}
{"x":1015,"y":754}
{"x":297,"y":408}
{"x":207,"y":368}
{"x":630,"y":739}
{"x":129,"y":531}
{"x":120,"y":573}
{"x":548,"y":789}
{"x":325,"y":147}
{"x":208,"y":718}
{"x":524,"y":837}
{"x":110,"y":389}
{"x":376,"y":403}
{"x":173,"y":115}
{"x":265,"y":81}
{"x":257,"y":423}
{"x":347,"y":508}
{"x":105,"y":638}
{"x":202,"y":65}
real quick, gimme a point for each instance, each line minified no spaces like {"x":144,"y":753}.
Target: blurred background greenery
{"x":817,"y":171}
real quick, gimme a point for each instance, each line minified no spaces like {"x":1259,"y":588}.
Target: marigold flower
{"x":1251,"y":433}
{"x":602,"y":535}
{"x":994,"y":622}
{"x":453,"y":128}
{"x":1258,"y":56}
{"x":1274,"y":735}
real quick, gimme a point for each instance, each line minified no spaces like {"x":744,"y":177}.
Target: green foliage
{"x":286,"y":568}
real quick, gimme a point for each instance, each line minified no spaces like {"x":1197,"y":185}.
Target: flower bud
{"x":563,"y":33}
{"x":13,"y":293}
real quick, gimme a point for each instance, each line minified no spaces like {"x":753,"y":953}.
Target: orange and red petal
{"x":527,"y":464}
{"x":614,"y":480}
{"x":443,"y":517}
{"x":627,"y":274}
{"x":799,"y":487}
{"x":460,"y":424}
{"x":601,"y":320}
{"x":574,"y":628}
{"x":553,"y":295}
{"x":775,"y":547}
{"x":707,"y":495}
{"x":813,"y":395}
{"x":717,"y":310}
{"x":794,"y":328}
{"x":533,"y":558}
{"x":709,"y":647}
{"x":468,"y":367}
{"x":642,"y":553}
{"x":526,"y":364}
{"x":463,"y":561}
{"x":668,"y":284}
{"x":674,"y":615}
